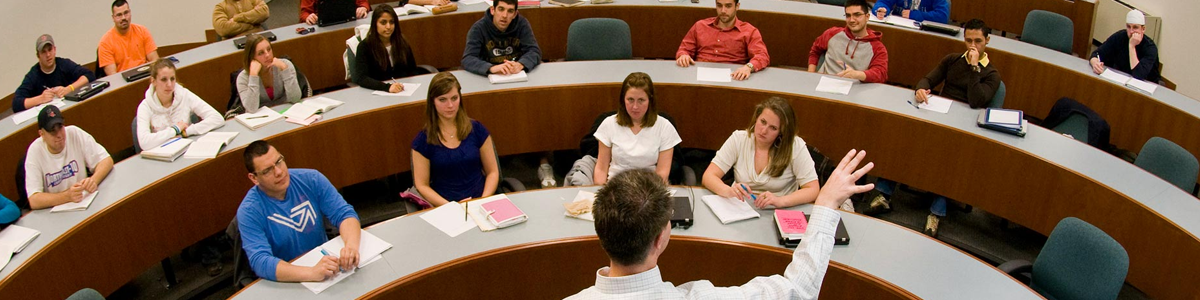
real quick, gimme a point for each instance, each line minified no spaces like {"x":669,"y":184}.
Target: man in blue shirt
{"x":52,"y":77}
{"x":917,"y":10}
{"x":281,"y":218}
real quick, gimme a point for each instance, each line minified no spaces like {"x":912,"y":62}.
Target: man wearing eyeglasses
{"x":852,"y":51}
{"x":281,"y":218}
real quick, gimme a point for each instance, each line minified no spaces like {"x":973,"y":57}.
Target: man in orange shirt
{"x":126,"y":45}
{"x":308,"y":10}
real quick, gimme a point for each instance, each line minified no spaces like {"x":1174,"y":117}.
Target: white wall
{"x":78,"y":24}
{"x":1178,"y":41}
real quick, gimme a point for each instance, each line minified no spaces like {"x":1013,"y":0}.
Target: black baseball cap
{"x":49,"y":118}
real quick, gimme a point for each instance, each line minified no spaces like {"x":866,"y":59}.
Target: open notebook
{"x":76,"y":206}
{"x":312,"y":106}
{"x":729,"y":210}
{"x":370,"y":249}
{"x":16,"y":237}
{"x":258,"y":119}
{"x":209,"y":145}
{"x":169,"y":151}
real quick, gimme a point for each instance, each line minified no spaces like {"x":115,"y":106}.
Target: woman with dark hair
{"x":453,"y":157}
{"x":635,"y":138}
{"x":771,"y":165}
{"x":384,"y":55}
{"x":265,"y":81}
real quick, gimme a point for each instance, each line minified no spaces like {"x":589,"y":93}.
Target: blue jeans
{"x":887,"y":186}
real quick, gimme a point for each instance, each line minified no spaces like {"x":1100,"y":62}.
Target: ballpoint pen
{"x":752,"y":197}
{"x":327,"y":254}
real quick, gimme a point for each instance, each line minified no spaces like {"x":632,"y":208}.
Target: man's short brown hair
{"x":630,"y":211}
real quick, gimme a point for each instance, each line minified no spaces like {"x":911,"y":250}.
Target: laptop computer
{"x":333,"y":12}
{"x":87,"y":91}
{"x":683,"y":213}
{"x":841,"y":237}
{"x":141,"y":71}
{"x":240,"y":43}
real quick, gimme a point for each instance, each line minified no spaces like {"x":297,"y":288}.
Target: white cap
{"x":1135,"y":17}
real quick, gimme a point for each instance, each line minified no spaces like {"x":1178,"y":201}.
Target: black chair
{"x":99,"y":69}
{"x":242,"y":274}
{"x":22,"y":199}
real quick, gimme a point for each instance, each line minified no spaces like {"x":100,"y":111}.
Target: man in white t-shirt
{"x":55,"y":166}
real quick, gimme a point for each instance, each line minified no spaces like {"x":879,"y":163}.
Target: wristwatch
{"x":751,"y":66}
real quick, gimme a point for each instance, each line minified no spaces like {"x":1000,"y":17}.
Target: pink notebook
{"x":792,"y":224}
{"x":503,"y":213}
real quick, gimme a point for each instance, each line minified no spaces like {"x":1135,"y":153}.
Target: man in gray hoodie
{"x":501,"y":42}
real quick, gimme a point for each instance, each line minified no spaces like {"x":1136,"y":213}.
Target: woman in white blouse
{"x":635,"y":138}
{"x":167,"y":110}
{"x":771,"y":165}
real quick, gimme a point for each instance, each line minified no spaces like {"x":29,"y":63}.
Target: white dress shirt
{"x":801,"y":280}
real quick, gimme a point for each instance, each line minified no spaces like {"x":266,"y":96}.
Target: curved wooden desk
{"x":1035,"y":76}
{"x":552,"y":256}
{"x":1033,"y":181}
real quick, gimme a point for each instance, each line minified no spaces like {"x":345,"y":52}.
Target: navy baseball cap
{"x":49,"y":118}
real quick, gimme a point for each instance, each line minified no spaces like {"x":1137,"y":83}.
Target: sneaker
{"x":931,"y":225}
{"x":546,"y":173}
{"x":879,"y":205}
{"x":214,"y":269}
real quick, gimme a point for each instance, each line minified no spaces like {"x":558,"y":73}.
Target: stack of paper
{"x":32,"y":112}
{"x":1003,"y":120}
{"x":370,"y":249}
{"x":304,"y":122}
{"x":76,"y":206}
{"x":497,"y":78}
{"x":409,"y":90}
{"x":450,"y":218}
{"x":936,"y":103}
{"x":209,"y":145}
{"x":833,"y":85}
{"x":1126,"y":80}
{"x":729,"y":210}
{"x":169,"y":151}
{"x":257,"y":120}
{"x":16,"y":237}
{"x":714,"y":74}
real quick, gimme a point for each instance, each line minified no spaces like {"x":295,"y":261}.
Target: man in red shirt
{"x":725,"y":39}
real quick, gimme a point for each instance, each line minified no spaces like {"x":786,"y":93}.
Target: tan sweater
{"x":238,"y":17}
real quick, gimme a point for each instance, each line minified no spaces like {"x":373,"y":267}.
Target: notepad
{"x":409,"y":90}
{"x":169,"y":151}
{"x":16,"y":237}
{"x":304,"y":122}
{"x":370,"y":249}
{"x":311,"y":259}
{"x":1141,"y":85}
{"x":450,"y":218}
{"x":410,"y":8}
{"x":897,"y":20}
{"x":834,"y":85}
{"x":1004,"y":117}
{"x":310,"y":107}
{"x":262,"y":117}
{"x":209,"y":145}
{"x":495,"y":212}
{"x":1115,"y":76}
{"x":76,"y":206}
{"x":518,"y":77}
{"x":582,"y":204}
{"x":791,"y":223}
{"x":714,"y":74}
{"x":6,"y":254}
{"x":936,"y":103}
{"x":729,"y":210}
{"x":32,"y":112}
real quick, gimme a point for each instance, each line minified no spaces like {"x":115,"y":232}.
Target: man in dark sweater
{"x":969,"y":77}
{"x":1129,"y":51}
{"x":501,"y":42}
{"x":52,"y":77}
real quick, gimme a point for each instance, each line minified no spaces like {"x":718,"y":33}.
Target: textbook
{"x":411,"y":8}
{"x":495,"y":212}
{"x":518,"y":77}
{"x":370,"y":249}
{"x":523,"y":4}
{"x":209,"y":145}
{"x":791,"y":225}
{"x":566,"y":3}
{"x":169,"y":151}
{"x":1003,"y":120}
{"x":1126,"y":80}
{"x":76,"y":206}
{"x":729,"y":210}
{"x":16,"y":237}
{"x":257,"y":120}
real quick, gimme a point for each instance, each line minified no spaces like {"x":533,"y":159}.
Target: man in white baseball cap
{"x":1129,"y":51}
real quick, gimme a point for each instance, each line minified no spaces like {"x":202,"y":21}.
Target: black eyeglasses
{"x":270,"y":169}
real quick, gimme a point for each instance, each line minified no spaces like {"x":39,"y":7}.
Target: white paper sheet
{"x":729,"y":210}
{"x":409,"y":90}
{"x":834,"y":85}
{"x":451,"y":219}
{"x":714,"y":74}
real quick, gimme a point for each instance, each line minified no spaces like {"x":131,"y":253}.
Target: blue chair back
{"x":1075,"y":125}
{"x":1048,"y":30}
{"x":998,"y":98}
{"x":1080,"y":261}
{"x":1169,"y":161}
{"x":599,"y":39}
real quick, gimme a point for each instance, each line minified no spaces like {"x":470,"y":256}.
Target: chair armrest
{"x":428,"y":68}
{"x":512,"y":184}
{"x":689,"y":176}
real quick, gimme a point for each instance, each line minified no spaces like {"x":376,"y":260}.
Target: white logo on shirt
{"x":302,"y":215}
